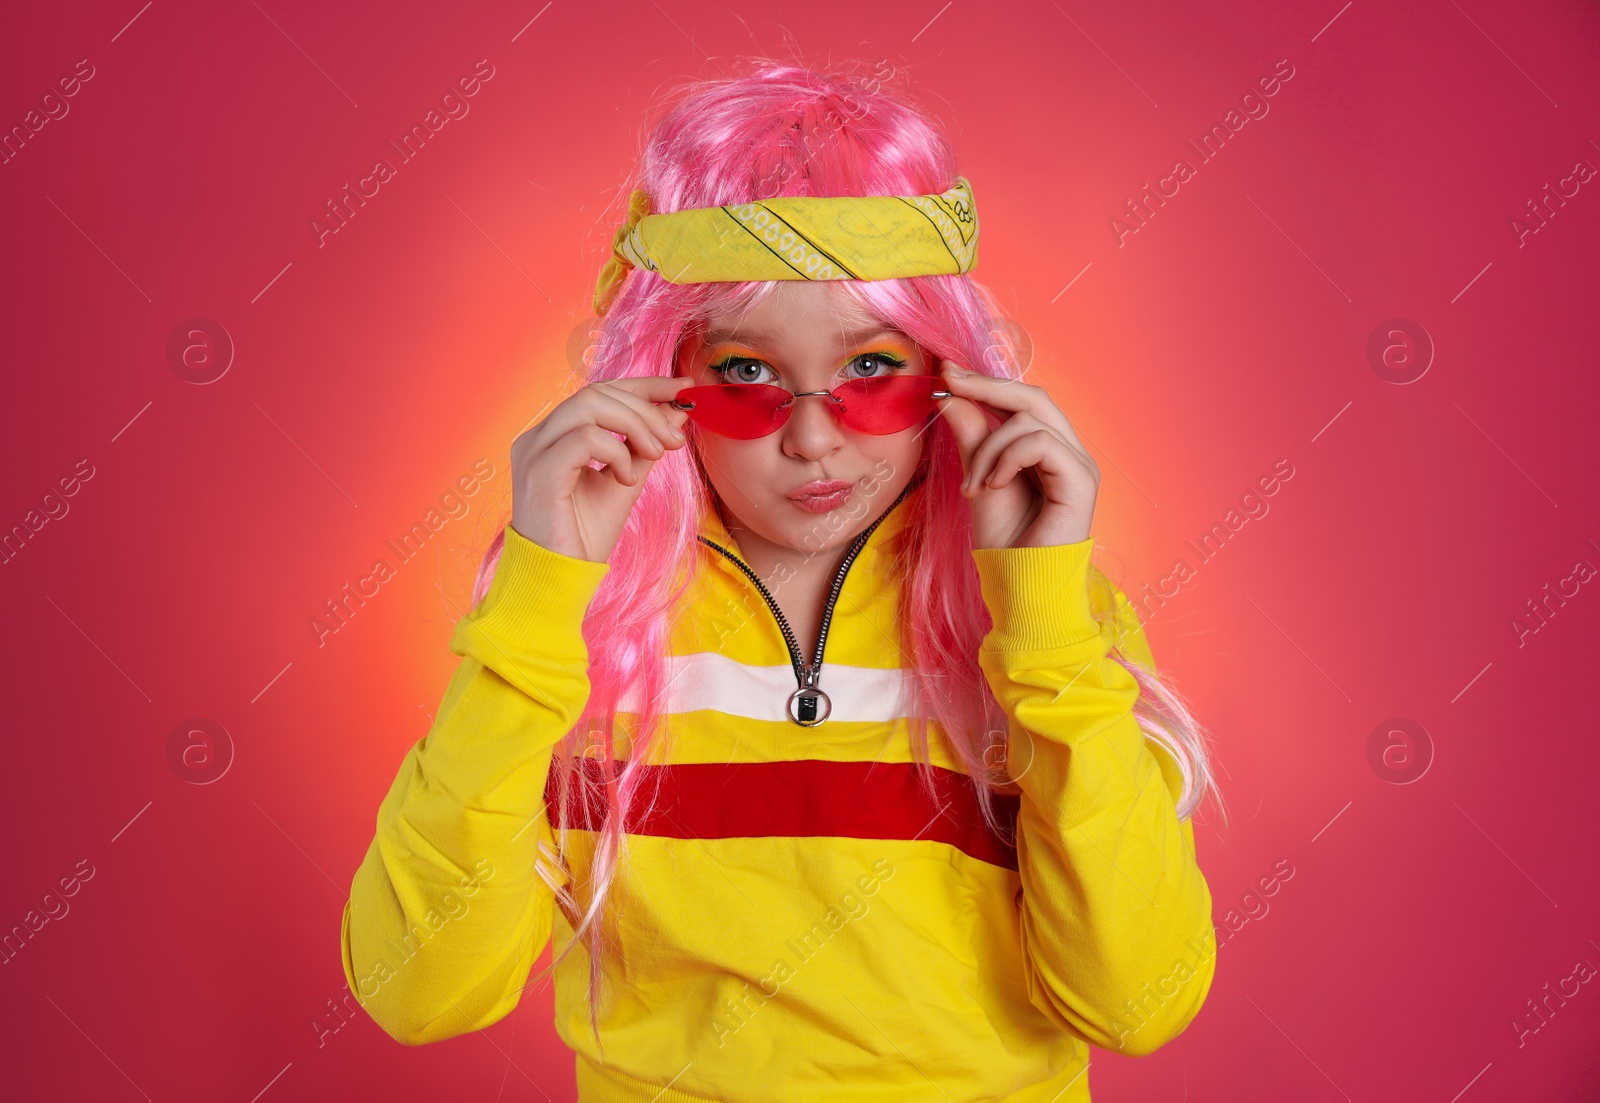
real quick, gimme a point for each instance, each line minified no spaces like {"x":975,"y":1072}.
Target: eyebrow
{"x":749,"y":337}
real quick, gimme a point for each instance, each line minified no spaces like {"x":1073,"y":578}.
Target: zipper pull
{"x":809,"y":706}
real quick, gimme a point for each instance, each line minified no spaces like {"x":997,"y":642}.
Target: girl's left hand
{"x":1004,"y":428}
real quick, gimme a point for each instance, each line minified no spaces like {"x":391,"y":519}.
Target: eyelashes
{"x":888,"y":358}
{"x":727,"y":363}
{"x":723,"y":366}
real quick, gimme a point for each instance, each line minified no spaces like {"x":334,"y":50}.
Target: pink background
{"x":1228,"y":333}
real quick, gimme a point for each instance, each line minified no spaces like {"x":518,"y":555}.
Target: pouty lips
{"x":823,"y":495}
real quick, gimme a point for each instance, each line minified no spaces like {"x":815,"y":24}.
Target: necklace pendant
{"x":809,"y":706}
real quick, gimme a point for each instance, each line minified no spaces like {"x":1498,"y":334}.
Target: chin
{"x":828,"y":528}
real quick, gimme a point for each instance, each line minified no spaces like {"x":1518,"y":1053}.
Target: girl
{"x":791,"y":713}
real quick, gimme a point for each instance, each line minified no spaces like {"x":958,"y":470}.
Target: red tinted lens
{"x":745,"y":411}
{"x":886,"y":404}
{"x":739,"y":410}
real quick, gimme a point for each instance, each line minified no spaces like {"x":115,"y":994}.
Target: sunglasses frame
{"x":837,"y":402}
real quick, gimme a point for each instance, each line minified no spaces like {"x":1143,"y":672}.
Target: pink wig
{"x":783,"y":130}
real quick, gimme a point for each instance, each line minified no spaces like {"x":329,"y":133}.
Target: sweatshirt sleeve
{"x":1115,"y":913}
{"x":447,"y":914}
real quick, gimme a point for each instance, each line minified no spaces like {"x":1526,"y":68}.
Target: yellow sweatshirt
{"x":799,"y":920}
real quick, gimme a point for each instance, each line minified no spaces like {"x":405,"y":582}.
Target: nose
{"x":813,"y":429}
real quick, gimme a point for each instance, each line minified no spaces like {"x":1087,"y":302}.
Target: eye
{"x":740,"y":369}
{"x":873,"y":361}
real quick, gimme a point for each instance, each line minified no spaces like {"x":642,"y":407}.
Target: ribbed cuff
{"x":1037,"y":597}
{"x":538,"y":597}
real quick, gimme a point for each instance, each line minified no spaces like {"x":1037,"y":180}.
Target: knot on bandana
{"x":616,"y":269}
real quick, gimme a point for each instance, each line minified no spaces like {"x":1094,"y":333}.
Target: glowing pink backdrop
{"x":1369,"y":286}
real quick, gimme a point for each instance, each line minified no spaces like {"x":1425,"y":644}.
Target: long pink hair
{"x":783,"y":130}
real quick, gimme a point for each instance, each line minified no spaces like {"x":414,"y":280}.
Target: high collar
{"x":731,"y":616}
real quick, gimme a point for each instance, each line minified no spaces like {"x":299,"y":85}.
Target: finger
{"x":1039,"y":449}
{"x":658,"y":391}
{"x":591,"y":443}
{"x":1011,"y":395}
{"x":575,"y":409}
{"x":595,"y":405}
{"x":984,"y":459}
{"x":968,"y":426}
{"x":654,"y":388}
{"x":666,"y":423}
{"x":615,"y":413}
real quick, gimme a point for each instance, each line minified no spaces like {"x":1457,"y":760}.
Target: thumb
{"x":968,"y":423}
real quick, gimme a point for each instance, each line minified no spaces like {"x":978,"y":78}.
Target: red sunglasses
{"x":744,"y":411}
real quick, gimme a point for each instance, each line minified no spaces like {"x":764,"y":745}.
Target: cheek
{"x":737,"y":467}
{"x":896,"y":455}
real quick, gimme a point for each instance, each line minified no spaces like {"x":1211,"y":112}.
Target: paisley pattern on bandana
{"x":797,"y":238}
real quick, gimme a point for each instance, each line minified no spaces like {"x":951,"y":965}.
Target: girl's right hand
{"x":559,"y":501}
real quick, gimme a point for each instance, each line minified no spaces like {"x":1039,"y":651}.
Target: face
{"x":804,"y":336}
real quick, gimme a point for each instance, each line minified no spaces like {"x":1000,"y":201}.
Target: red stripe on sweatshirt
{"x":806,"y":798}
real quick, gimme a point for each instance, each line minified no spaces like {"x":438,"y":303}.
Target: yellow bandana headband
{"x":797,"y":238}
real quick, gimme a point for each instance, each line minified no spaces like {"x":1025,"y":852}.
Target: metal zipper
{"x":808,"y":705}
